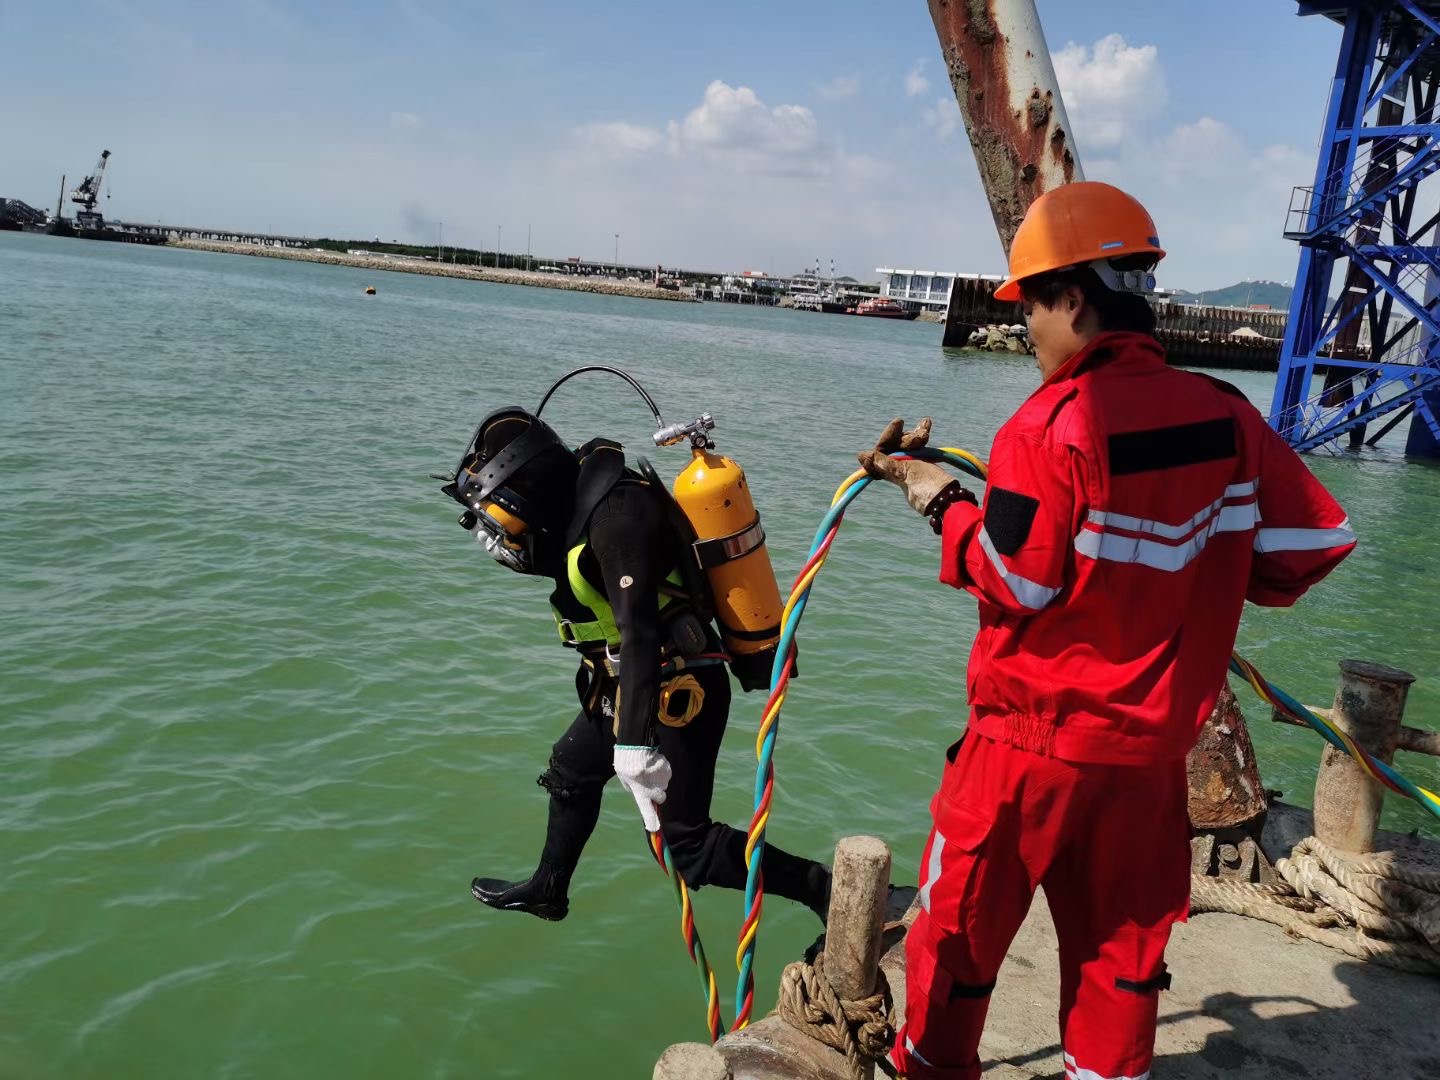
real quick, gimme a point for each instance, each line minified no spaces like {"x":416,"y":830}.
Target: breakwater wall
{"x":420,"y":266}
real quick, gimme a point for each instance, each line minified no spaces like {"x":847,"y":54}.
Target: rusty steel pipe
{"x":1419,"y":741}
{"x":1412,"y":739}
{"x":999,"y":66}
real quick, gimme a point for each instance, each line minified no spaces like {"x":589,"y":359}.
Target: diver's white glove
{"x":646,"y":774}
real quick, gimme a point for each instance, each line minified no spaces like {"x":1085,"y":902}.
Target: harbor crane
{"x":87,"y":193}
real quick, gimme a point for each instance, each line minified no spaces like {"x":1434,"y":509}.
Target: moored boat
{"x":884,"y":308}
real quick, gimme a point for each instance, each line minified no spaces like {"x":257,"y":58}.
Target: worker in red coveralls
{"x":1131,"y":510}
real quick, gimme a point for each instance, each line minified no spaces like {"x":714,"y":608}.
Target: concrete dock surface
{"x":1247,"y":1002}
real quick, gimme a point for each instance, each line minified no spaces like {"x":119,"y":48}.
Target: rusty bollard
{"x":1227,"y":799}
{"x":1369,"y":705}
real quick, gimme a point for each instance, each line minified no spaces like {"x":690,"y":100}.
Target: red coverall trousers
{"x":1110,"y":845}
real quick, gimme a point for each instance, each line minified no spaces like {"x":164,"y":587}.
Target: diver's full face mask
{"x":506,"y":537}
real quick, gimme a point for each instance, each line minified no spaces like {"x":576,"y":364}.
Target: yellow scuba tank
{"x":730,"y":548}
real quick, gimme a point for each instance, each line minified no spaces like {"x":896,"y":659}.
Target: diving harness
{"x":724,"y":570}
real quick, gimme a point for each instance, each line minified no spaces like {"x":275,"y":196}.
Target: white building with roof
{"x":927,"y":288}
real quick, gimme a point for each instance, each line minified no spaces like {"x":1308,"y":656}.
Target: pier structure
{"x":1202,"y":335}
{"x":1364,"y":314}
{"x":15,"y":215}
{"x":225,"y":236}
{"x":1268,"y":980}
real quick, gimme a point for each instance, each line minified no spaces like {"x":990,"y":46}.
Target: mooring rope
{"x":1373,"y":908}
{"x":859,"y":1029}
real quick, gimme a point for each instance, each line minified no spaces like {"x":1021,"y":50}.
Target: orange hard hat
{"x":1079,"y":223}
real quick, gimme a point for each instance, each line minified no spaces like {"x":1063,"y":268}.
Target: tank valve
{"x":695,"y":430}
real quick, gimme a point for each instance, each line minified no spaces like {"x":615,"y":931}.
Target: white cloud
{"x":943,"y":117}
{"x":1111,"y":89}
{"x":732,"y":133}
{"x":404,"y":121}
{"x":734,"y":118}
{"x":1218,"y":201}
{"x":729,"y":182}
{"x":1205,"y":149}
{"x":916,"y":83}
{"x":840,"y":88}
{"x":618,"y":137}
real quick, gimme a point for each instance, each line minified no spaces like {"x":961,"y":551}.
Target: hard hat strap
{"x":1131,"y":280}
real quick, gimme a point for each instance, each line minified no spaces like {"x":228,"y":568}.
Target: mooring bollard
{"x":1369,"y":705}
{"x":691,"y":1061}
{"x":859,"y":894}
{"x":776,"y":1048}
{"x":858,"y":897}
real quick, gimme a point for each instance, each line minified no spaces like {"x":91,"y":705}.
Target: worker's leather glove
{"x":922,"y":481}
{"x":646,"y":774}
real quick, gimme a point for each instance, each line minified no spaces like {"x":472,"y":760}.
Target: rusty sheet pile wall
{"x":1218,"y":337}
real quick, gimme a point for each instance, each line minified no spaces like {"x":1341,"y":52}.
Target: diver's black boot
{"x":797,"y":879}
{"x":543,"y":895}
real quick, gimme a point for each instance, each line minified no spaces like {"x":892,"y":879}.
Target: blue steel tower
{"x":1363,"y":315}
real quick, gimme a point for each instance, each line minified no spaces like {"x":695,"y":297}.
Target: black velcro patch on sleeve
{"x":1008,"y":517}
{"x":1147,"y":986}
{"x":1172,"y":447}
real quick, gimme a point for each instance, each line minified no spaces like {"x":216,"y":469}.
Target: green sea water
{"x":266,"y":709}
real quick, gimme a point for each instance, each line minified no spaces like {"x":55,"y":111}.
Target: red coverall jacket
{"x":1131,"y":510}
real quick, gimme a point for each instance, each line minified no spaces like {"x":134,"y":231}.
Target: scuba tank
{"x":712,"y":510}
{"x":730,"y":548}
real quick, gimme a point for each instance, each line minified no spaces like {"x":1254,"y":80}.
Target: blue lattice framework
{"x":1377,"y":342}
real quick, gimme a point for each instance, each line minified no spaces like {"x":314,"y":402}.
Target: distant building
{"x":928,"y":288}
{"x":931,"y":288}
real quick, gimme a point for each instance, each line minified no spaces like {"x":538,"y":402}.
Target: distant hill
{"x":1243,"y":294}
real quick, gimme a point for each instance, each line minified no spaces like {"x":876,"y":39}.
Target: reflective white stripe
{"x":932,"y":869}
{"x":1267,"y":540}
{"x":1162,"y":556}
{"x":1105,"y":518}
{"x":1029,"y":593}
{"x":1077,"y":1073}
{"x":910,"y":1049}
{"x":1156,"y":554}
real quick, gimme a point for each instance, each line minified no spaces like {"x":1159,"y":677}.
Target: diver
{"x":630,"y":598}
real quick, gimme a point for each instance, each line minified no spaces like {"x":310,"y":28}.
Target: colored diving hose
{"x":781,"y":673}
{"x":661,"y":851}
{"x":784,"y":667}
{"x":1379,"y":771}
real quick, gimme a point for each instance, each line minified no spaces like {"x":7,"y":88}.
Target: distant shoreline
{"x":453,"y":270}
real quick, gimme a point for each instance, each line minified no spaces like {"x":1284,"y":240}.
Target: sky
{"x":707,"y":136}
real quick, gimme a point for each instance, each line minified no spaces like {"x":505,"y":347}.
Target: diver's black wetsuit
{"x":632,"y":547}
